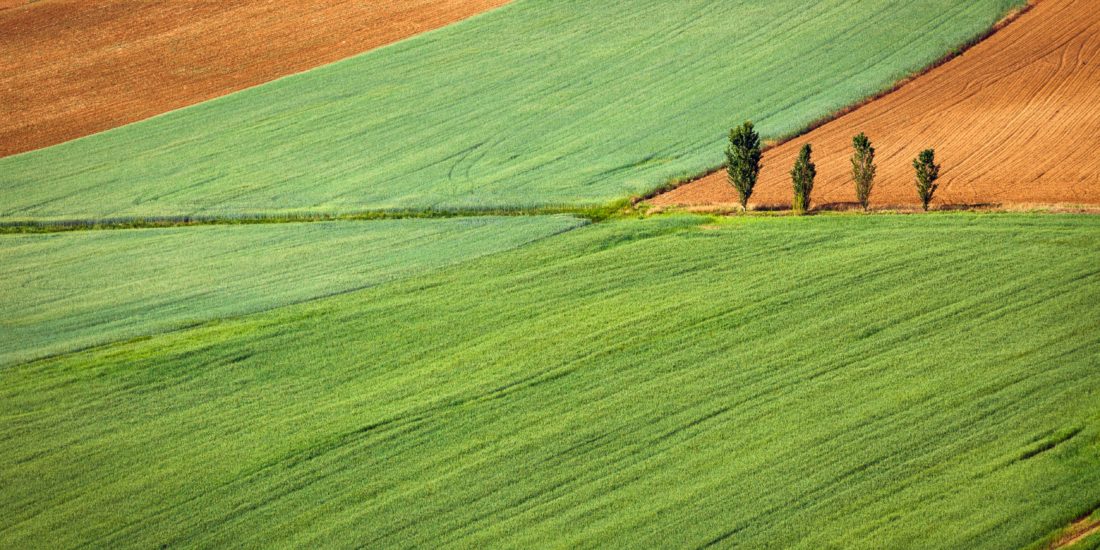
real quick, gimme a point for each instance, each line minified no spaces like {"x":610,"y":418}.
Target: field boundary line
{"x":590,"y":213}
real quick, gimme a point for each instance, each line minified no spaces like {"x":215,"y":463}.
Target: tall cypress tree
{"x":802,"y":178}
{"x":743,"y":161}
{"x":927,"y":174}
{"x":863,"y":169}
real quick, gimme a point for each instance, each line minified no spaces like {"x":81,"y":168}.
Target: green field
{"x":831,"y":381}
{"x":65,"y":291}
{"x":562,"y":102}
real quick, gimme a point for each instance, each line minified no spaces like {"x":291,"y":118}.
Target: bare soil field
{"x":1015,"y":122}
{"x":70,"y":68}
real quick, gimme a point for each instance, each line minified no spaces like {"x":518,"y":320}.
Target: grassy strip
{"x":854,"y":210}
{"x":593,"y":214}
{"x":826,"y":381}
{"x":631,"y":207}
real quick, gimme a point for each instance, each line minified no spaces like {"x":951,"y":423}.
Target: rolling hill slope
{"x":1013,"y":120}
{"x":832,"y":381}
{"x":73,"y":68}
{"x":537,"y":103}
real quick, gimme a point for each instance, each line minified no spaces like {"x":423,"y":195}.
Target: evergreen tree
{"x":802,"y":177}
{"x":927,"y":174}
{"x":743,"y":161}
{"x":863,"y":169}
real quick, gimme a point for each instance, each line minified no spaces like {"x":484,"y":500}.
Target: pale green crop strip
{"x":63,"y":292}
{"x":819,"y":382}
{"x":543,"y":103}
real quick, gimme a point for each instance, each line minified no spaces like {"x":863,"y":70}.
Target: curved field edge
{"x":531,"y":105}
{"x":65,"y":292}
{"x":872,"y":381}
{"x":72,"y":69}
{"x":1012,"y":121}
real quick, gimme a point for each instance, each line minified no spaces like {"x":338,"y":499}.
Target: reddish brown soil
{"x":69,"y":68}
{"x":1015,"y":121}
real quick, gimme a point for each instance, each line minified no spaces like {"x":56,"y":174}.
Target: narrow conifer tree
{"x":927,"y":174}
{"x":863,"y":169}
{"x":743,"y":161}
{"x":802,"y":178}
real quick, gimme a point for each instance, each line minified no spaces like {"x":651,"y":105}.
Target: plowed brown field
{"x":1014,"y":120}
{"x":69,"y":68}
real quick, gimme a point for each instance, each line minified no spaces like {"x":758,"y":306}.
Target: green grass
{"x":538,"y":104}
{"x":66,"y":291}
{"x":1091,"y":542}
{"x":829,"y":381}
